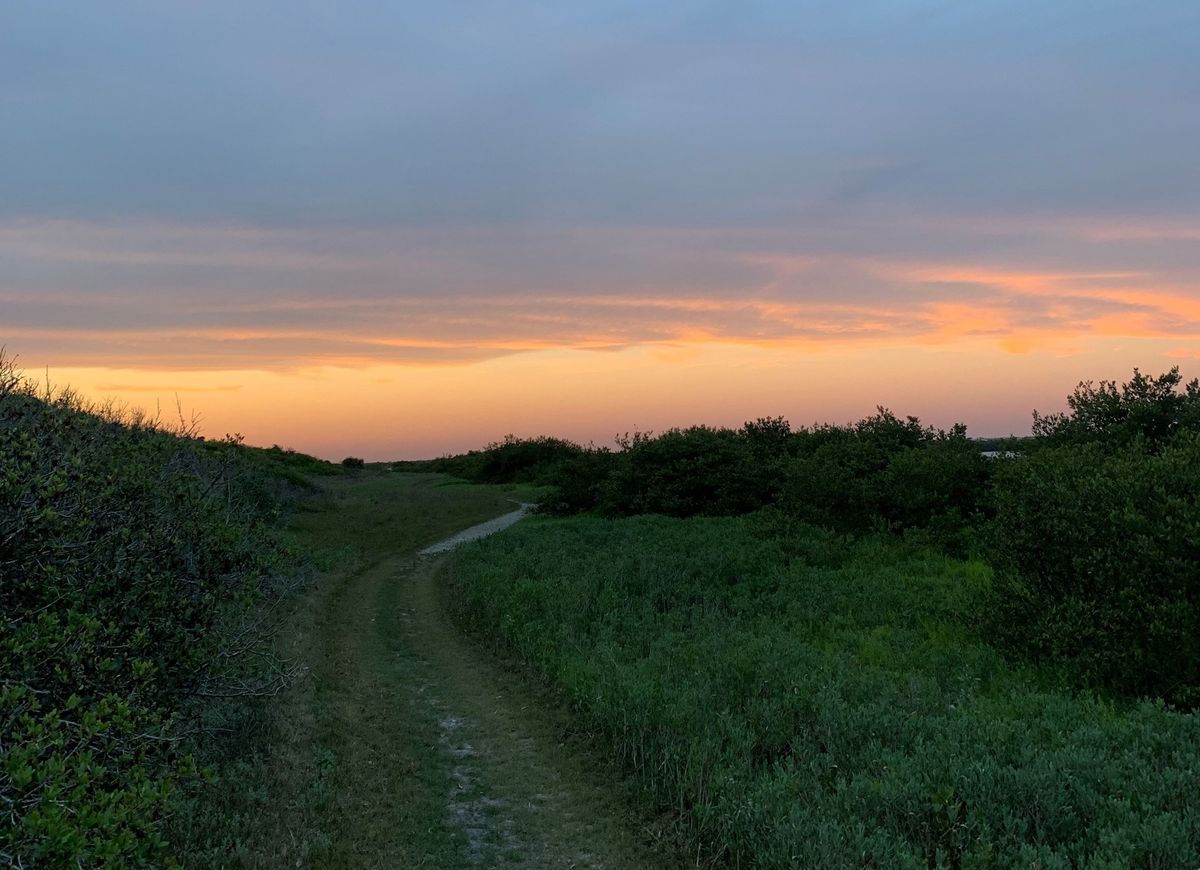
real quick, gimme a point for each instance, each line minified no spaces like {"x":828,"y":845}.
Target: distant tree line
{"x":1092,"y":525}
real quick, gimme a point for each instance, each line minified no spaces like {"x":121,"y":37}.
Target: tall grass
{"x":798,"y":699}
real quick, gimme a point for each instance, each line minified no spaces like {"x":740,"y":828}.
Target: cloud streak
{"x":219,"y":297}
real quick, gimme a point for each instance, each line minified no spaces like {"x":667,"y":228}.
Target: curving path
{"x":437,"y":754}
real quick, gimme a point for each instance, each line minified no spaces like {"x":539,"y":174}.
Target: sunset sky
{"x":400,"y":229}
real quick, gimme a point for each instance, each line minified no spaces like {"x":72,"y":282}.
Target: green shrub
{"x":1097,"y":533}
{"x":1150,"y":410}
{"x":881,"y":471}
{"x":511,"y":460}
{"x":1101,"y":557}
{"x":888,"y":472}
{"x":699,"y":471}
{"x":127,"y":554}
{"x":353,"y":462}
{"x":577,"y":481}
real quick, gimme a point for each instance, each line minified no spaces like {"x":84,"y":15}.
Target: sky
{"x":400,"y":229}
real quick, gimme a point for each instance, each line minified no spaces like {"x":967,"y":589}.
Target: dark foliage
{"x":128,"y":556}
{"x":1150,"y":410}
{"x":1095,"y":517}
{"x":1097,"y":533}
{"x":881,"y":472}
{"x":792,"y":698}
{"x":682,"y":473}
{"x":884,"y":471}
{"x":353,"y":462}
{"x":512,"y":460}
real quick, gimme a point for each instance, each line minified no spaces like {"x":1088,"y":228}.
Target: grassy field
{"x":796,"y":699}
{"x":302,"y":800}
{"x":402,"y":746}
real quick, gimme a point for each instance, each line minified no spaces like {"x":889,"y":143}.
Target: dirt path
{"x":407,"y":745}
{"x":435,"y":754}
{"x":517,"y":794}
{"x":482,"y":530}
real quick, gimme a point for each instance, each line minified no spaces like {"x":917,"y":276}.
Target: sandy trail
{"x":409,"y":744}
{"x":482,"y":530}
{"x":518,"y":795}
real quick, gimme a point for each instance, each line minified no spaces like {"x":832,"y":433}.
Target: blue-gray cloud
{"x":682,"y":113}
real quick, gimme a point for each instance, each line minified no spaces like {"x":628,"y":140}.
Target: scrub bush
{"x":698,"y":471}
{"x":129,"y":558}
{"x":1097,"y":533}
{"x":1148,"y":410}
{"x":511,"y":460}
{"x":1101,"y":552}
{"x":884,"y":472}
{"x":879,"y":472}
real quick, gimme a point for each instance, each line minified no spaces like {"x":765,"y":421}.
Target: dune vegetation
{"x":795,"y":697}
{"x":138,"y":565}
{"x":867,"y":645}
{"x":839,"y":645}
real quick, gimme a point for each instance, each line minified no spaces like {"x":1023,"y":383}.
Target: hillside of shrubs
{"x":135,"y":565}
{"x":1092,"y":525}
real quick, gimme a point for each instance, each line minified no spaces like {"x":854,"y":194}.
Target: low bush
{"x":1145,"y":409}
{"x":129,"y":561}
{"x":699,"y":471}
{"x":1092,"y":521}
{"x":880,"y":472}
{"x":511,"y":460}
{"x":888,"y":472}
{"x":1097,"y":537}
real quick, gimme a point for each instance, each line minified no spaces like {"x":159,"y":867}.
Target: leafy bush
{"x":576,"y":481}
{"x":1101,"y":550}
{"x":286,"y":463}
{"x":127,"y":558}
{"x":881,"y":471}
{"x":884,"y":471}
{"x":1097,"y":533}
{"x":511,"y":460}
{"x":1151,"y":410}
{"x":353,"y":462}
{"x":681,"y":473}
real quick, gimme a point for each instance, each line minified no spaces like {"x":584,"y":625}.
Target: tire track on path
{"x":517,"y":794}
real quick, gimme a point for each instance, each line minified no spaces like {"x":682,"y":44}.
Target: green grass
{"x":796,"y":699}
{"x":353,"y":765}
{"x":332,"y":772}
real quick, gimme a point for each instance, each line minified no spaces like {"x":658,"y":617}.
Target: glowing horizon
{"x":388,"y":412}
